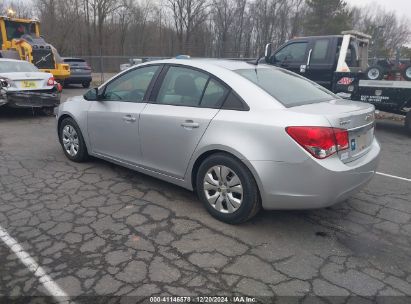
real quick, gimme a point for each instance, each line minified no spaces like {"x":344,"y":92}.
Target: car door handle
{"x":189,"y":124}
{"x":129,"y":118}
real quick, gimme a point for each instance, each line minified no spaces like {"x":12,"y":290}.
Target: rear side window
{"x":234,"y":102}
{"x":288,"y":88}
{"x":320,"y":50}
{"x":214,"y":94}
{"x":183,"y":87}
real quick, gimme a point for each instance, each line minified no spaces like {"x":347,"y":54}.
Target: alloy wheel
{"x":70,"y":140}
{"x":223,"y":189}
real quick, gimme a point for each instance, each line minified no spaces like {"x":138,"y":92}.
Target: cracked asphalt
{"x":100,"y":229}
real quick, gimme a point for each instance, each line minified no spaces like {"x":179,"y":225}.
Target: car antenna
{"x":267,"y":54}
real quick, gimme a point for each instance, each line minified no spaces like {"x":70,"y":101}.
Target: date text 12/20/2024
{"x":199,"y":299}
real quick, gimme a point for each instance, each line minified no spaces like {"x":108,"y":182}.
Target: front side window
{"x":183,"y":87}
{"x":288,"y":88}
{"x":294,"y":52}
{"x":131,"y":86}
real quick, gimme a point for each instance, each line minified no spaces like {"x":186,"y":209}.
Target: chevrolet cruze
{"x":242,"y":136}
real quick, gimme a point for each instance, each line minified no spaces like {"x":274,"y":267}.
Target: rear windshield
{"x":17,"y":66}
{"x":288,"y":88}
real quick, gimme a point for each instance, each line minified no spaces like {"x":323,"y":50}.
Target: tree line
{"x":206,"y":28}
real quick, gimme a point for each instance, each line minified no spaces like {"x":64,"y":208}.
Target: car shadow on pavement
{"x":12,"y":113}
{"x":395,"y":127}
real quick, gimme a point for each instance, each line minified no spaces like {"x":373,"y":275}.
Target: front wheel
{"x":72,"y":141}
{"x":227,"y":189}
{"x":86,"y":85}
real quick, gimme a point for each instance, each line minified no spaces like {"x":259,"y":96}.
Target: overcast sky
{"x":401,"y":7}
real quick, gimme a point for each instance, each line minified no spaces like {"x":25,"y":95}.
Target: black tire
{"x":86,"y":85}
{"x":82,"y":154}
{"x":375,"y":73}
{"x":250,"y":204}
{"x":406,"y":73}
{"x":407,"y":124}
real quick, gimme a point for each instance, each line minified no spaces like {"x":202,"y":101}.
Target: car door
{"x":173,"y":123}
{"x":292,"y":56}
{"x":113,"y":119}
{"x":320,"y":67}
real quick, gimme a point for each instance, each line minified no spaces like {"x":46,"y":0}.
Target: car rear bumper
{"x":78,"y":79}
{"x":309,"y":185}
{"x":31,"y":99}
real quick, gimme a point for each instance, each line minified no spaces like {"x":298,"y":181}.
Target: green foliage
{"x":327,"y":17}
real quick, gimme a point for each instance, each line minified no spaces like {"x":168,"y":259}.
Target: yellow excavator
{"x":20,"y":39}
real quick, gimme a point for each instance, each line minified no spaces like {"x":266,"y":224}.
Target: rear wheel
{"x":406,"y":73}
{"x":86,"y":85}
{"x":375,"y":73}
{"x":227,"y":189}
{"x":72,"y":141}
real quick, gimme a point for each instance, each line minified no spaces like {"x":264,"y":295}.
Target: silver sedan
{"x":242,"y":136}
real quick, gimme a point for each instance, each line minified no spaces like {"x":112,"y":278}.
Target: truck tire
{"x":407,"y":124}
{"x":374,"y":73}
{"x":406,"y":73}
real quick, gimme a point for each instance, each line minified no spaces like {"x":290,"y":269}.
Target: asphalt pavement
{"x":99,"y":229}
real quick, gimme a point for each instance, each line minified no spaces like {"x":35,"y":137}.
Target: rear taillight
{"x":321,"y":142}
{"x":50,"y":82}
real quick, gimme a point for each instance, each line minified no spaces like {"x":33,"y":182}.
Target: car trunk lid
{"x":28,"y":80}
{"x":356,"y":117}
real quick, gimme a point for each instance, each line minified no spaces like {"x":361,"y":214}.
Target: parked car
{"x":241,"y":135}
{"x":22,"y":85}
{"x":80,"y":72}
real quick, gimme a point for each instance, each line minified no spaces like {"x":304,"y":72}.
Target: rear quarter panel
{"x":255,"y":135}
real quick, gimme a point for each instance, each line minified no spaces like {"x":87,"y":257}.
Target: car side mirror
{"x":268,"y":52}
{"x":92,"y":95}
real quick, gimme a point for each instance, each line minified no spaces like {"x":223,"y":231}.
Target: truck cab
{"x":319,"y":57}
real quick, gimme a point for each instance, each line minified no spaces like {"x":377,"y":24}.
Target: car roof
{"x":203,"y":62}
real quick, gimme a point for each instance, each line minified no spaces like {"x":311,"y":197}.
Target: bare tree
{"x":198,"y":27}
{"x":188,"y":16}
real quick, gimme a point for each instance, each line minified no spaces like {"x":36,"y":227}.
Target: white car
{"x":23,"y":85}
